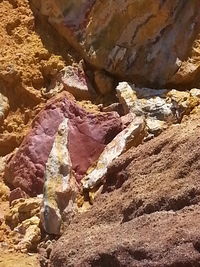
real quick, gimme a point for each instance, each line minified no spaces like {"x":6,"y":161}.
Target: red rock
{"x":88,"y":136}
{"x":16,"y":194}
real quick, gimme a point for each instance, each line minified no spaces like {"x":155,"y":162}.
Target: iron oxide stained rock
{"x":132,"y":135}
{"x":88,"y":135}
{"x":132,"y":38}
{"x":73,"y":80}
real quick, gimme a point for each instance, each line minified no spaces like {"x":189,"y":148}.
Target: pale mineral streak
{"x":72,"y":79}
{"x":4,"y":107}
{"x":60,"y":186}
{"x":159,"y":107}
{"x":128,"y":137}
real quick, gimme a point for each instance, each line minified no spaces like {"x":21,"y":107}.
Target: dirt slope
{"x":148,"y":213}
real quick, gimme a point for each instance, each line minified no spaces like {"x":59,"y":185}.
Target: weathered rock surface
{"x":159,"y":107}
{"x":31,"y":235}
{"x":148,"y":209}
{"x":21,"y":210}
{"x":104,"y":83}
{"x":72,"y":79}
{"x":138,"y":40}
{"x":24,"y":219}
{"x":60,"y":188}
{"x":16,"y":194}
{"x":132,"y":135}
{"x":88,"y":135}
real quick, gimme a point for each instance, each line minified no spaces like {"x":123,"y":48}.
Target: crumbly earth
{"x":148,"y":212}
{"x":29,"y":59}
{"x":10,"y":259}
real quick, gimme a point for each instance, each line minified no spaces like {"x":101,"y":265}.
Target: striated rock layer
{"x":139,"y":40}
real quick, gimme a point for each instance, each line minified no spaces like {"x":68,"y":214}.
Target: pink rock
{"x":16,"y":194}
{"x":73,"y":80}
{"x":89,"y":133}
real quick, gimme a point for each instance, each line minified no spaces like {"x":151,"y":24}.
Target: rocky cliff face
{"x":148,"y":42}
{"x":99,"y":132}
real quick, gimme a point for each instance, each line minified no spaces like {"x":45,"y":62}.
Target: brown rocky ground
{"x":148,"y":212}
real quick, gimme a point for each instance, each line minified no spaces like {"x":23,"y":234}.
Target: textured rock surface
{"x":148,"y":210}
{"x":29,"y":58}
{"x":89,"y":133}
{"x":16,"y":194}
{"x":60,"y":186}
{"x":30,"y":230}
{"x":139,"y":40}
{"x":104,"y":83}
{"x":159,"y":107}
{"x":132,"y":135}
{"x":21,"y":210}
{"x":72,"y":79}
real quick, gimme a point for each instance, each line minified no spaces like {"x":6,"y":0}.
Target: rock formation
{"x":148,"y":212}
{"x":142,"y":41}
{"x":88,"y":135}
{"x":99,"y":133}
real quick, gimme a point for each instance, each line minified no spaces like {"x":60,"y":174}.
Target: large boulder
{"x":88,"y":133}
{"x":143,"y":41}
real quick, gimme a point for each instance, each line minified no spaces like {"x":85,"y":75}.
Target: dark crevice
{"x":138,"y":208}
{"x":106,"y":260}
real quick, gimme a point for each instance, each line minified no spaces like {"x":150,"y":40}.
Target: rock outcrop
{"x":24,"y":219}
{"x":99,"y":132}
{"x":142,"y":41}
{"x":132,"y":135}
{"x":88,"y":135}
{"x":160,"y":108}
{"x":148,"y":211}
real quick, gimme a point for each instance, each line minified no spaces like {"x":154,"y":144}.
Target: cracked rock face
{"x":142,"y":40}
{"x":88,"y":133}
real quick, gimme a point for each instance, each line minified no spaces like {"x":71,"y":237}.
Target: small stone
{"x":4,"y":107}
{"x":195,"y":92}
{"x":16,"y":194}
